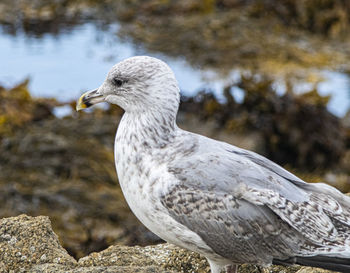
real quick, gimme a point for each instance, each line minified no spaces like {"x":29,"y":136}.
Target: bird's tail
{"x":329,"y":263}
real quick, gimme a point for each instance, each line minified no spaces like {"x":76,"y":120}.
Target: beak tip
{"x":80,"y":104}
{"x":79,"y":107}
{"x":88,"y":99}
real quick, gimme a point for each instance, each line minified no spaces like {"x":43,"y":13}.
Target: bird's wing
{"x":335,"y":204}
{"x":234,"y":228}
{"x":227,"y":195}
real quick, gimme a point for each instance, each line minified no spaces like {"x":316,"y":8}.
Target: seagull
{"x":231,"y":205}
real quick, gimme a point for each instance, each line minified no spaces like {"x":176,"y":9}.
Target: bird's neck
{"x":151,"y":129}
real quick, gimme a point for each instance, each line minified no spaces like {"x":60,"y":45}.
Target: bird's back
{"x":249,"y":209}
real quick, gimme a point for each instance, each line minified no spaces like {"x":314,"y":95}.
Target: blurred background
{"x":270,"y":76}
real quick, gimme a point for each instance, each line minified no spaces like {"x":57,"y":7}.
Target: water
{"x":66,"y":65}
{"x":340,"y":100}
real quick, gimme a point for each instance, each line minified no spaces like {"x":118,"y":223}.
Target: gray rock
{"x":26,"y":241}
{"x":167,"y":257}
{"x":53,"y":268}
{"x":28,"y":244}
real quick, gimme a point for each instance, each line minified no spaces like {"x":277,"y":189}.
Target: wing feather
{"x":240,"y":202}
{"x":232,"y":227}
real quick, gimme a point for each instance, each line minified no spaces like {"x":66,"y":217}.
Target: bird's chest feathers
{"x":138,"y":148}
{"x":141,"y":155}
{"x":133,"y":166}
{"x":141,"y":175}
{"x":142,"y":180}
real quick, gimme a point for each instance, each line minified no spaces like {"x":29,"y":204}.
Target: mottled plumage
{"x":231,"y":205}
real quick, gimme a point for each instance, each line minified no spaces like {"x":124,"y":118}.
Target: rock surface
{"x":28,"y":244}
{"x":26,"y":241}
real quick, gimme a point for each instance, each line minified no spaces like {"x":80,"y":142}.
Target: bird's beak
{"x":88,"y":99}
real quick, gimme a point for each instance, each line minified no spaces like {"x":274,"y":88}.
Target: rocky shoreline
{"x":28,"y":244}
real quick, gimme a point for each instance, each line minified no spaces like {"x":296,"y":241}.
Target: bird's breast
{"x":144,"y":178}
{"x":140,"y":178}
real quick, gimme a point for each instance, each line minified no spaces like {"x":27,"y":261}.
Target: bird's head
{"x":137,"y":84}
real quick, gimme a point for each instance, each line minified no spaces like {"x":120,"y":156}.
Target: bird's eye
{"x":117,"y":82}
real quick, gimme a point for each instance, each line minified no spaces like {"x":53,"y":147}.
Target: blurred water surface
{"x":64,"y":65}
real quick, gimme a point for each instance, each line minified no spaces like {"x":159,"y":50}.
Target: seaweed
{"x":296,"y":130}
{"x":18,"y":107}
